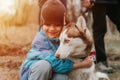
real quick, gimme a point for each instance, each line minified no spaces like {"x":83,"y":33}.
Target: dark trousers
{"x":100,"y":27}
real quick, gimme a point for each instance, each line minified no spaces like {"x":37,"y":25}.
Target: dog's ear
{"x":67,"y":26}
{"x":81,"y":22}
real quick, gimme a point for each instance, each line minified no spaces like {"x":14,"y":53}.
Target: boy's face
{"x":52,"y":31}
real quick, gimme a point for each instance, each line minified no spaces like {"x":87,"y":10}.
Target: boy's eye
{"x":66,"y":41}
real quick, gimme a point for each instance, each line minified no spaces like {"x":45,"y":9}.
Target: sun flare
{"x":18,"y":12}
{"x":7,"y":7}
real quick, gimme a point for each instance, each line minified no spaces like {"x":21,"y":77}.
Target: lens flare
{"x":7,"y":7}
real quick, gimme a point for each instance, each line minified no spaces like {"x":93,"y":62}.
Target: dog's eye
{"x":66,"y":41}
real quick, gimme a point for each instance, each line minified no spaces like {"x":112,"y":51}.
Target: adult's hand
{"x":87,"y":3}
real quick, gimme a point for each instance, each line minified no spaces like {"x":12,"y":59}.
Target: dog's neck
{"x":78,"y":57}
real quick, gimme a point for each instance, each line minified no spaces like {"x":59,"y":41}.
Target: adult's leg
{"x":99,"y":30}
{"x":113,"y":12}
{"x":41,"y":70}
{"x":60,"y":77}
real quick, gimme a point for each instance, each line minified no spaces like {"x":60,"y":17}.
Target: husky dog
{"x":75,"y":44}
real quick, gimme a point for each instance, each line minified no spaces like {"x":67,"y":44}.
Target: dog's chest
{"x":79,"y":75}
{"x":83,"y":73}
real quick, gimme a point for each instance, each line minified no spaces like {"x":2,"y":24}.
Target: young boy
{"x":41,"y":64}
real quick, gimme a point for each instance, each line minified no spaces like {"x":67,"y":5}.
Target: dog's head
{"x":75,"y":40}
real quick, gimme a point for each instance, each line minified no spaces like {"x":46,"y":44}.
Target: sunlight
{"x":18,"y":12}
{"x":7,"y":7}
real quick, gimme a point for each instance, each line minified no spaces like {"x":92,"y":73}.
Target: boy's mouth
{"x":52,"y":33}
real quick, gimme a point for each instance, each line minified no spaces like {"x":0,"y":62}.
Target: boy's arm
{"x":60,"y":65}
{"x":64,"y":65}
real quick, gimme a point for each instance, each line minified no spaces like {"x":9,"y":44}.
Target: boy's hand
{"x":86,"y":63}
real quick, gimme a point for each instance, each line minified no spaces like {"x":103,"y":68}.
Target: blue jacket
{"x":43,"y":48}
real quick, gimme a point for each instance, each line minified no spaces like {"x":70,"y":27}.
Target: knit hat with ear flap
{"x":52,"y":12}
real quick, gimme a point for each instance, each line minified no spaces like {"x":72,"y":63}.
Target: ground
{"x":13,"y":51}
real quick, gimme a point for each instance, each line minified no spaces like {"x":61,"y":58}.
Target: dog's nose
{"x":57,"y":55}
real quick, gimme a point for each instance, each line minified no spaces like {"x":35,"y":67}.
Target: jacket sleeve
{"x":62,"y":66}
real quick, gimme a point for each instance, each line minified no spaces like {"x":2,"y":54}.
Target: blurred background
{"x":19,"y":22}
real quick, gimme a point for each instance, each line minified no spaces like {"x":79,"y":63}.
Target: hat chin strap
{"x":66,"y":19}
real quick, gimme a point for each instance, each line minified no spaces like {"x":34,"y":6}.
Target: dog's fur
{"x":75,"y":44}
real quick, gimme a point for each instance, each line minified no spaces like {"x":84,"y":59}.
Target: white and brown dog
{"x":75,"y":44}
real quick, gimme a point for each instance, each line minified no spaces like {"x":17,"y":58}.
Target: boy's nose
{"x":52,"y":27}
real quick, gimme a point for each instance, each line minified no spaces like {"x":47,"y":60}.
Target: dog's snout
{"x":57,"y":55}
